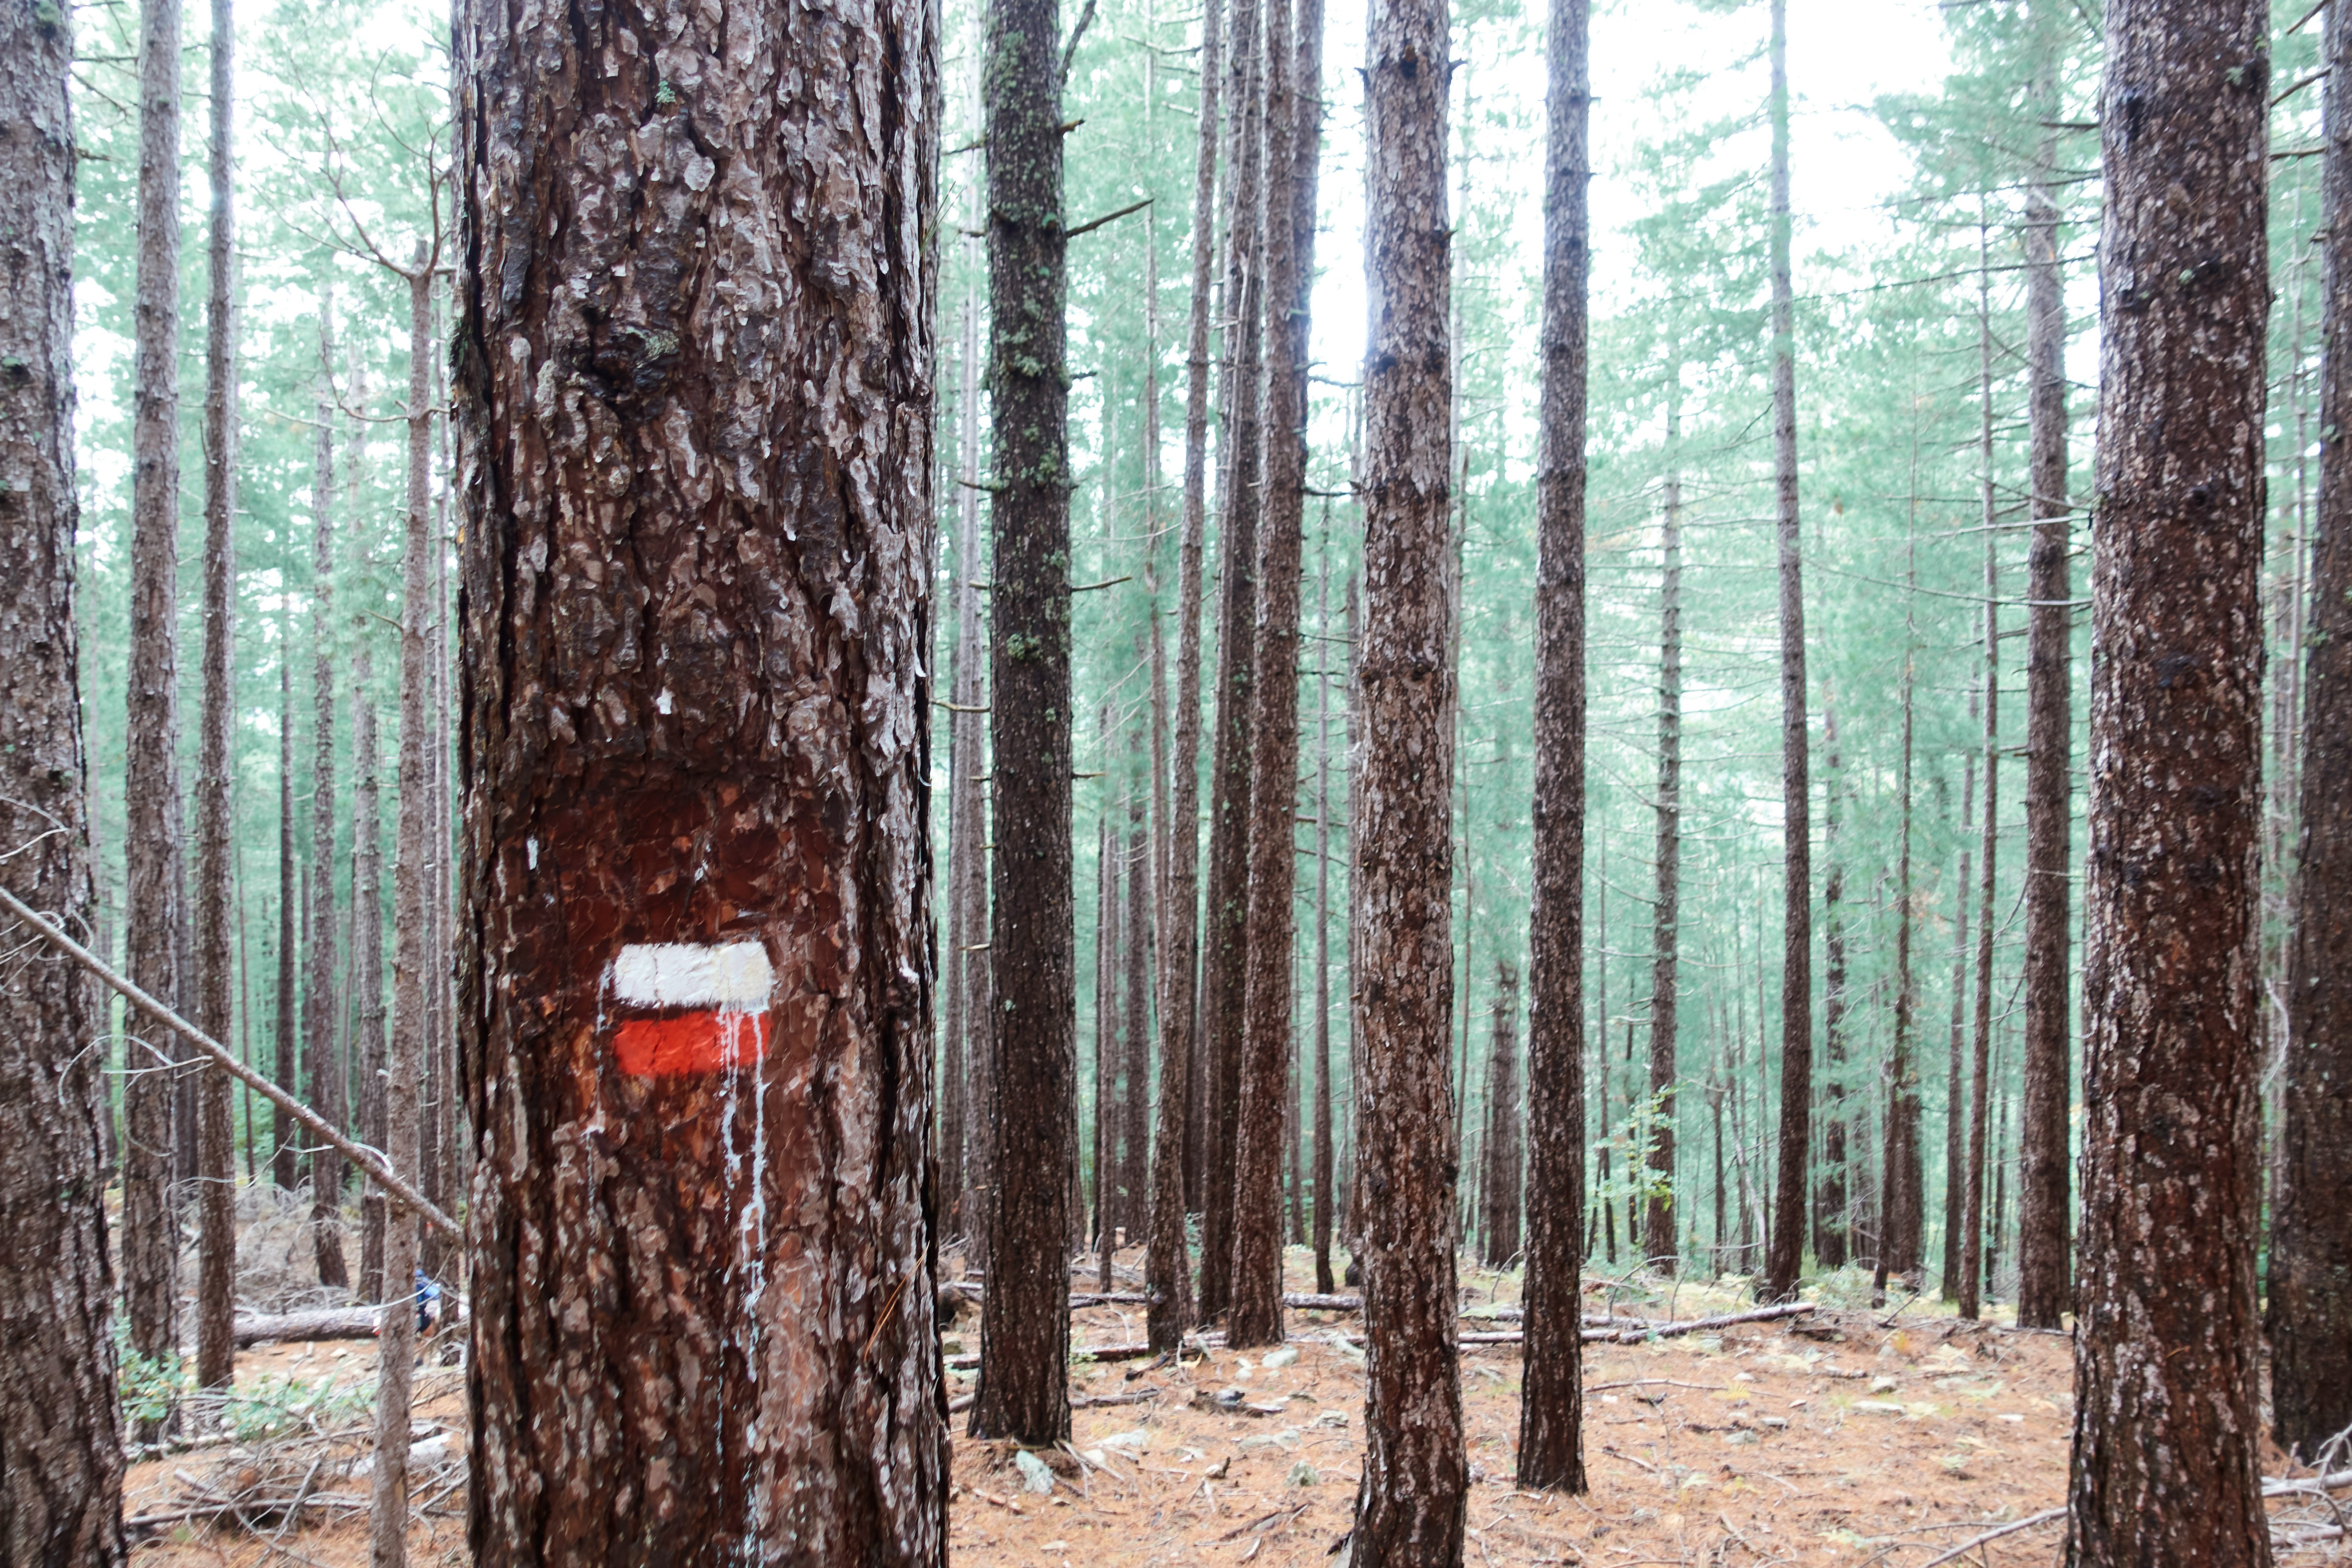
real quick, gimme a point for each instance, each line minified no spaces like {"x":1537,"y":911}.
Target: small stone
{"x":1878,"y":1406}
{"x":1035,"y":1476}
{"x":1331,"y":1419}
{"x":1285,"y":1355}
{"x":1777,"y":1423}
{"x":1302,"y":1474}
{"x":1883,"y":1386}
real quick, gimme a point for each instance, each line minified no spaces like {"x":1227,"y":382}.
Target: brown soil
{"x":1829,"y":1440}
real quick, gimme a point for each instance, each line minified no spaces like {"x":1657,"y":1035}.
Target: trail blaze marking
{"x":690,"y":1007}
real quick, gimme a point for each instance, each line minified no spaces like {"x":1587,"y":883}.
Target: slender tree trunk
{"x":1831,"y":1198}
{"x":284,"y":1168}
{"x":2165,"y":1466}
{"x":1135,"y":1057}
{"x":1324,"y":1164}
{"x":1658,"y":1239}
{"x":323,"y":1066}
{"x":1788,"y":1238}
{"x":968,"y":867}
{"x":697,"y":838}
{"x":2045,"y":1286}
{"x":1024,"y":1321}
{"x":60,"y":1443}
{"x":1410,"y":1507}
{"x":367,"y":1055}
{"x":216,"y":805}
{"x":1901,"y":1209}
{"x":1552,"y":1433}
{"x":1502,"y":1172}
{"x":2310,"y":1239}
{"x":1972,"y":1213}
{"x":965,"y":859}
{"x":1295,"y":132}
{"x":1225,"y":976}
{"x":1177,"y":1179}
{"x":151,"y":787}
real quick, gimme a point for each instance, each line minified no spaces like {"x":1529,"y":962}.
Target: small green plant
{"x":151,"y":1385}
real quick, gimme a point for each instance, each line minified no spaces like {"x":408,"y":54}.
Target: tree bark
{"x":1831,"y":1197}
{"x":215,"y":904}
{"x":1955,"y":1123}
{"x":966,"y":861}
{"x":1024,"y":1389}
{"x":388,"y":1506}
{"x":152,"y":886}
{"x":1135,"y":1053}
{"x":2311,"y":1249}
{"x":1972,"y":1196}
{"x":366,"y":1054}
{"x":1225,"y":970}
{"x":1659,"y":1244}
{"x":1901,"y":1205}
{"x":2311,"y":1238}
{"x":2045,"y":1286}
{"x":284,"y":1157}
{"x":1501,"y":1180}
{"x":693,"y":362}
{"x":1552,"y":1401}
{"x":1785,"y":1256}
{"x":1294,"y":111}
{"x":1410,"y":1507}
{"x":2164,"y":1452}
{"x":323,"y":1067}
{"x":60,"y":1445}
{"x":1323,"y":1166}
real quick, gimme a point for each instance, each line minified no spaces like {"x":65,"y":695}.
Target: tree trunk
{"x":1106,"y":1089}
{"x":1658,"y":1239}
{"x":60,"y":1448}
{"x":1972,"y":1194}
{"x":367,"y":1055}
{"x":323,"y":1067}
{"x":973,"y":1098}
{"x":1025,"y":1323}
{"x":1831,"y":1197}
{"x":1323,"y":1166}
{"x":1135,"y":1055}
{"x":1786,"y":1254}
{"x":1225,"y":972}
{"x":214,"y":907}
{"x":1901,"y":1206}
{"x":695,"y":984}
{"x":2311,"y":1239}
{"x":1552,"y":1433}
{"x":2045,"y":1286}
{"x":2164,"y":1454}
{"x":284,"y":1157}
{"x":1501,"y":1181}
{"x":1411,"y":1504}
{"x":1294,"y":111}
{"x":1180,"y":941}
{"x":966,"y":860}
{"x":153,"y":887}
{"x":388,"y":1504}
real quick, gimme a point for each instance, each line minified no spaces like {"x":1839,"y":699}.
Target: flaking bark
{"x":694,"y":360}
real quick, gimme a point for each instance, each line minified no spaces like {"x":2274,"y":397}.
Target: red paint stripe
{"x":704,"y":1041}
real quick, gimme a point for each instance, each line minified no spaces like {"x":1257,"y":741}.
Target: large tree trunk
{"x":1785,"y":1255}
{"x":323,"y":1065}
{"x":151,"y":867}
{"x":1294,"y":141}
{"x":2045,"y":1287}
{"x":1659,"y":1243}
{"x":366,"y":1056}
{"x":1411,"y":1504}
{"x":215,"y":904}
{"x":2311,"y":1238}
{"x":60,"y":1449}
{"x":695,"y":981}
{"x":1552,"y":1402}
{"x":1224,"y":980}
{"x":2167,"y":1336}
{"x":1024,"y":1321}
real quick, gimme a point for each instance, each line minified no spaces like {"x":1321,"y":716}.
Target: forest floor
{"x":1848,"y":1437}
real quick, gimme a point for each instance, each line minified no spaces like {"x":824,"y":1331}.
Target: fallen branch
{"x":2028,"y":1523}
{"x":369,"y":1160}
{"x":1645,"y":1332}
{"x":333,"y":1322}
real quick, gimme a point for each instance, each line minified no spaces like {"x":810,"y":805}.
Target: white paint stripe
{"x":735,"y":976}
